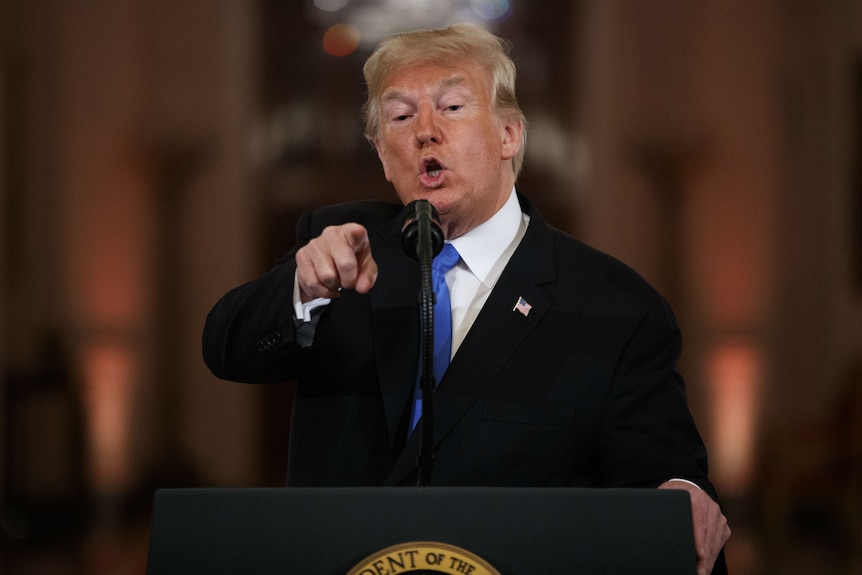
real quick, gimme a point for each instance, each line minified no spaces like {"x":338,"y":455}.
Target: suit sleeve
{"x":250,"y":334}
{"x":648,"y":434}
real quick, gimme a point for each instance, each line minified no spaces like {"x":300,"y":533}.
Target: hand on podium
{"x":711,"y":531}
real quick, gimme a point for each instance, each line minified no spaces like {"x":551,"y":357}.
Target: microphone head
{"x":420,"y":214}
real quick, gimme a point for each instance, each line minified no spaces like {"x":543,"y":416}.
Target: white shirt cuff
{"x":303,"y":310}
{"x":686,"y":481}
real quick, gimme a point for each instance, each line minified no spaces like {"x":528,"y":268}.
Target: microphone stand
{"x":422,"y":239}
{"x":425,"y":253}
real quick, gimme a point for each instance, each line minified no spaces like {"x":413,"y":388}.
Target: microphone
{"x":421,"y":227}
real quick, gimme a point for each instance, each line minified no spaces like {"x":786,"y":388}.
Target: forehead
{"x":432,"y":76}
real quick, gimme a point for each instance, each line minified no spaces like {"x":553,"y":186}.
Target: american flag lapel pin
{"x":522,"y":307}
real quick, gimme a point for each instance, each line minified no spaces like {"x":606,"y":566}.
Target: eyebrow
{"x":446,"y":83}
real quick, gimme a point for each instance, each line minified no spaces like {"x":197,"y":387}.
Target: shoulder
{"x":598,"y":278}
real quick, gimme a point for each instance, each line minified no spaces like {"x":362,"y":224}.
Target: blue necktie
{"x":444,"y":261}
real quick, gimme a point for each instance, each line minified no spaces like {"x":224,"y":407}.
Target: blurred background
{"x":155,"y":153}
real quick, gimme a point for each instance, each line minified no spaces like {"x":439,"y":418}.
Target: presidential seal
{"x":423,"y":558}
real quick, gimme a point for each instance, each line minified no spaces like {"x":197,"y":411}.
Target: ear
{"x":512,"y":133}
{"x":381,"y":153}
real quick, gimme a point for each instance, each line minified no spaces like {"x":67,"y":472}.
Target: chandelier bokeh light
{"x":366,"y":22}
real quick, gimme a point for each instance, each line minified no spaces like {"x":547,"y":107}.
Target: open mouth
{"x":433,"y":168}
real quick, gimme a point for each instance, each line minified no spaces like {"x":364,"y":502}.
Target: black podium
{"x":521,"y":531}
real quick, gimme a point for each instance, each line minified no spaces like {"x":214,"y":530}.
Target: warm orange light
{"x":341,"y":40}
{"x":108,"y":371}
{"x":735,"y":379}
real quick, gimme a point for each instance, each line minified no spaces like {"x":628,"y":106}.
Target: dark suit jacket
{"x":583,"y":391}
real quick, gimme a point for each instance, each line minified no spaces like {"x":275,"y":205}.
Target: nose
{"x":427,"y":128}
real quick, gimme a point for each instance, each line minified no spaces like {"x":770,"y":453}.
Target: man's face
{"x":442,"y":140}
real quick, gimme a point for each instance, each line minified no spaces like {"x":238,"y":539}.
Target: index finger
{"x":366,"y":267}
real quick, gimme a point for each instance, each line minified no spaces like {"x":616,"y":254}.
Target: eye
{"x":401,"y":117}
{"x":453,"y":107}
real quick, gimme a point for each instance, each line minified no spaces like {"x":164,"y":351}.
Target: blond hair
{"x":458,"y":42}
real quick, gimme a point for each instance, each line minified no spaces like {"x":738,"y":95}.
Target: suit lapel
{"x":494,"y":337}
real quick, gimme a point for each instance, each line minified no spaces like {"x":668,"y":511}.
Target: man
{"x":563,"y":362}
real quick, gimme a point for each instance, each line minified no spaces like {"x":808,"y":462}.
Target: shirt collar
{"x":481,"y":247}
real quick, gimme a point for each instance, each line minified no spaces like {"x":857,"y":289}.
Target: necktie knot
{"x":446,"y":259}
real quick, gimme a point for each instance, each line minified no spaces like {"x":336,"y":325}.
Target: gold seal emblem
{"x":423,"y":558}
